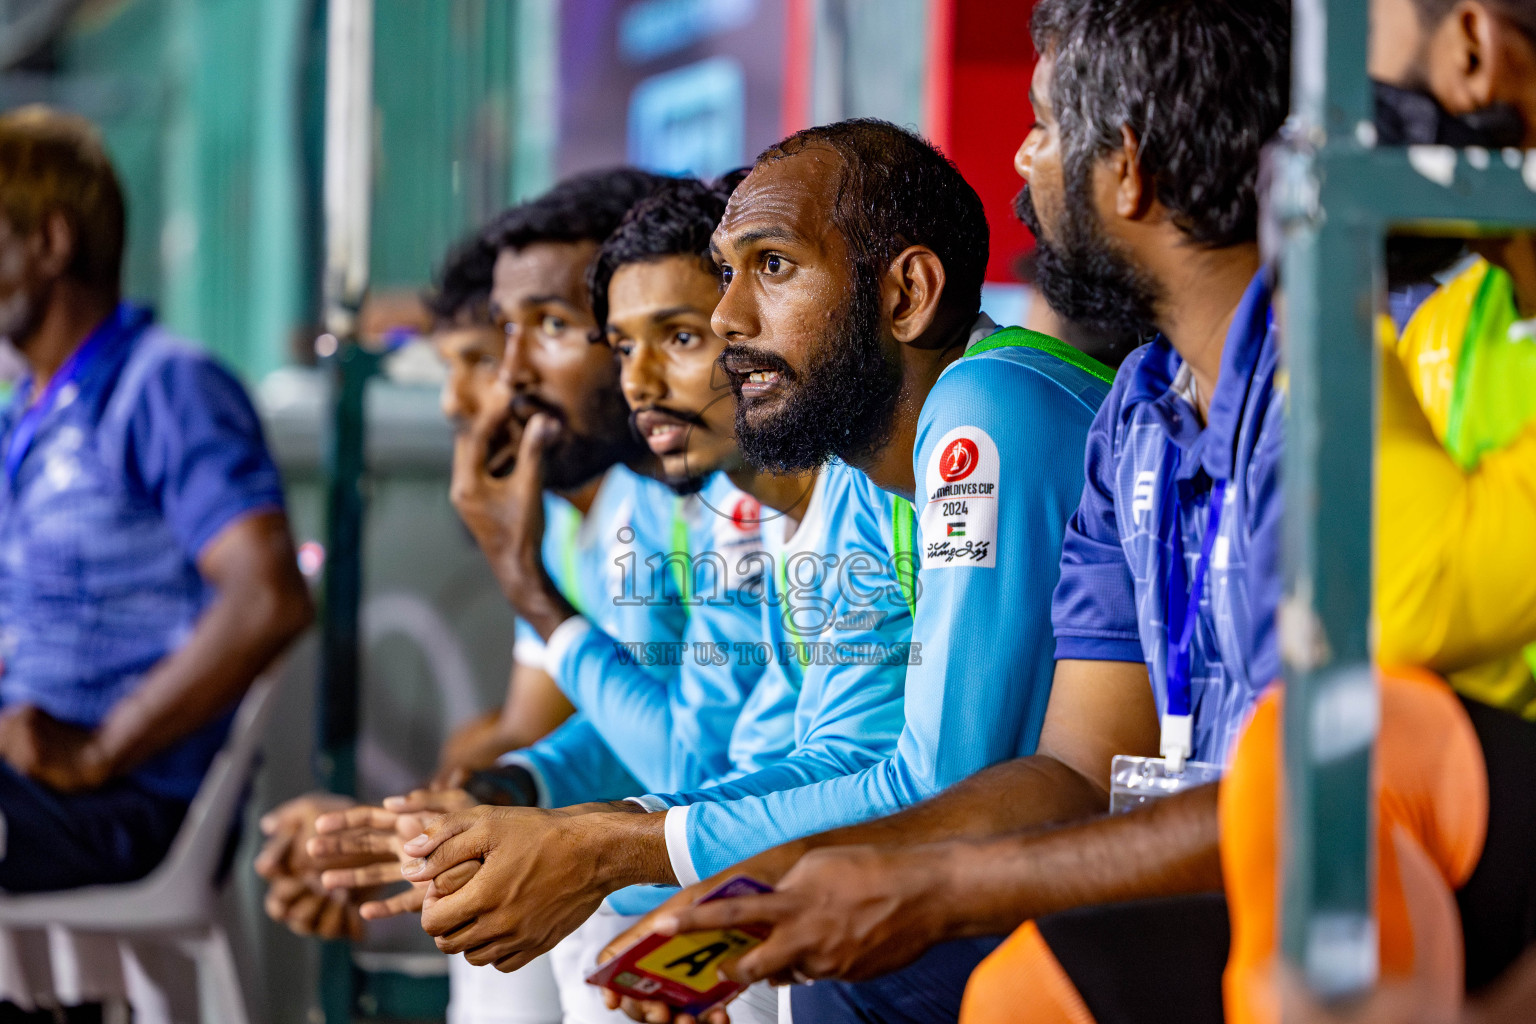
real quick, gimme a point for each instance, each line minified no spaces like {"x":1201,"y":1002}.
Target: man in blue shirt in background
{"x":147,"y":575}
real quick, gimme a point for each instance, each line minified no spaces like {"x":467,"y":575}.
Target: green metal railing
{"x":1337,"y":196}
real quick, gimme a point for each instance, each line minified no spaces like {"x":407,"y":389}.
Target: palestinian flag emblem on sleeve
{"x":954,"y":529}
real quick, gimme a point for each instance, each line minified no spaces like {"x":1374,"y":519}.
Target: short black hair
{"x":898,"y":190}
{"x":677,"y":220}
{"x":52,"y":162}
{"x":1203,"y":84}
{"x":583,"y":208}
{"x":1432,"y":12}
{"x":462,"y":285}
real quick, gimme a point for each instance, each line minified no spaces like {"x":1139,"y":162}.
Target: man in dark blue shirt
{"x":147,"y":575}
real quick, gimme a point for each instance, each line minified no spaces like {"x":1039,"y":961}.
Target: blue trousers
{"x":926,"y":992}
{"x":52,"y":840}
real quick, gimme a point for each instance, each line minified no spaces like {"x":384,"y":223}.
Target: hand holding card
{"x":683,"y":970}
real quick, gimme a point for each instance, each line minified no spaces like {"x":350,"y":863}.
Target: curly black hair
{"x":462,"y":286}
{"x":897,"y":190}
{"x":677,"y":220}
{"x":583,"y":208}
{"x":1203,"y":85}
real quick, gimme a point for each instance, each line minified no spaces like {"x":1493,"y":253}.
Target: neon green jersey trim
{"x":1022,"y":337}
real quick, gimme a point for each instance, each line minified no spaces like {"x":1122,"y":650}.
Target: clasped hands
{"x":503,"y":885}
{"x":498,"y":884}
{"x":63,"y":757}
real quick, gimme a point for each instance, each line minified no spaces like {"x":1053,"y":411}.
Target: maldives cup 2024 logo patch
{"x":959,"y":518}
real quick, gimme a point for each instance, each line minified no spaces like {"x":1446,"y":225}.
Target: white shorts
{"x":576,"y":957}
{"x":484,"y":995}
{"x":759,"y":1004}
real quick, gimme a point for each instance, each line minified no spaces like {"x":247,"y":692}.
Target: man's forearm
{"x":529,"y":589}
{"x":190,"y":687}
{"x":236,"y":638}
{"x":1165,"y":849}
{"x":627,"y":846}
{"x":1005,"y":798}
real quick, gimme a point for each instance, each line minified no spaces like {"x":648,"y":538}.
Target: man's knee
{"x":1022,"y":981}
{"x":101,"y":837}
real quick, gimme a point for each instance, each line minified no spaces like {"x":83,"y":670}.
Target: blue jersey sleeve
{"x":573,"y":765}
{"x":665,"y":704}
{"x":1094,"y":607}
{"x":1266,"y":580}
{"x":998,"y":466}
{"x":673,"y":729}
{"x":839,"y":677}
{"x":196,"y":448}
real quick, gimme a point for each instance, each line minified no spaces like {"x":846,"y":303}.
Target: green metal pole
{"x":1331,"y":702}
{"x":348,"y":180}
{"x":340,"y":665}
{"x":1333,"y":247}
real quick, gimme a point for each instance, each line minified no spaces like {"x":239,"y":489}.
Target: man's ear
{"x":56,"y":246}
{"x":912,"y":292}
{"x":1131,"y":193}
{"x":1464,"y":57}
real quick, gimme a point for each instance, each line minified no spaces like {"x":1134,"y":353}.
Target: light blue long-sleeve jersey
{"x":999,"y":469}
{"x":667,"y":707}
{"x":836,"y":631}
{"x":631,"y":518}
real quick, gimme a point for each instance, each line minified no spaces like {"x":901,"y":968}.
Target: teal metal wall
{"x":455,"y":110}
{"x":212,"y":110}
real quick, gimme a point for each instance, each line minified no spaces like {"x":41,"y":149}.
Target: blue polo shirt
{"x":146,"y":456}
{"x":1150,"y":471}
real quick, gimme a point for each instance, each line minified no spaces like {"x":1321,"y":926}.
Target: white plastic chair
{"x":178,"y":900}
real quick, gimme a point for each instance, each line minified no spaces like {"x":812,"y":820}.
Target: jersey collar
{"x":1211,"y":448}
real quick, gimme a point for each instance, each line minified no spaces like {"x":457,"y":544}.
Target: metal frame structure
{"x":348,"y":183}
{"x":1337,"y":195}
{"x":355,"y":984}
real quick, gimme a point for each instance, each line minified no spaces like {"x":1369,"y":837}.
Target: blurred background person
{"x":147,"y":575}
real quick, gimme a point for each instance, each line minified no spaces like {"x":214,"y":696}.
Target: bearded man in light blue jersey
{"x":852,"y":258}
{"x":1141,"y":169}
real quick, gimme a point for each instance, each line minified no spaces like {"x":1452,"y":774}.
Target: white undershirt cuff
{"x":566,"y":635}
{"x":677,"y":846}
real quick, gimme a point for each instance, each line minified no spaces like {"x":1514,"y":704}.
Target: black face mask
{"x":1408,"y":117}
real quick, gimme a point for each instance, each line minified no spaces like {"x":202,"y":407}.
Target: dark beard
{"x":1083,"y":277}
{"x":843,"y":404}
{"x":686,"y":485}
{"x":577,"y":459}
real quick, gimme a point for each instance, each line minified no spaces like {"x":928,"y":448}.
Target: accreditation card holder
{"x":1134,"y":781}
{"x":683,"y":970}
